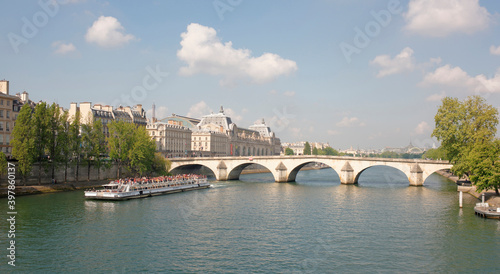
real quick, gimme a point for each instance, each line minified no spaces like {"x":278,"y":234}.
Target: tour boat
{"x":125,"y":189}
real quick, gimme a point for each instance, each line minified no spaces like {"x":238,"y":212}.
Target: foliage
{"x":93,"y":144}
{"x":329,"y":151}
{"x":120,"y":143}
{"x":467,"y":133}
{"x":289,"y":151}
{"x":142,"y":153}
{"x":3,"y":163}
{"x":161,"y":165}
{"x":315,"y":151}
{"x":75,"y":140}
{"x":22,"y":141}
{"x":435,"y":154}
{"x":307,"y":149}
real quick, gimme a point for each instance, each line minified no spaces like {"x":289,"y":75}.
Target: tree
{"x":120,"y":143}
{"x":330,"y":151}
{"x":41,"y":135}
{"x":307,"y":149}
{"x":54,"y":148}
{"x":161,"y":165}
{"x":93,"y":145}
{"x":3,"y":163}
{"x":142,"y":153}
{"x":22,"y":141}
{"x":435,"y":154}
{"x":75,"y":141}
{"x":289,"y":151}
{"x":467,"y":134}
{"x":315,"y":151}
{"x":63,"y":140}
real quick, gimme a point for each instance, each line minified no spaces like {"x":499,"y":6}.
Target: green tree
{"x":22,"y":141}
{"x":141,"y":156}
{"x":120,"y":143}
{"x":315,"y":151}
{"x":330,"y":151}
{"x":75,"y":142}
{"x":467,"y":133}
{"x":289,"y":151}
{"x":93,"y":145}
{"x":307,"y":149}
{"x":40,"y":126}
{"x":161,"y":165}
{"x":64,"y":142}
{"x":435,"y":154}
{"x":55,"y":126}
{"x":3,"y":163}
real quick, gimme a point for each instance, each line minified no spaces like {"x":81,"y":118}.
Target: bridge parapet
{"x":285,"y":168}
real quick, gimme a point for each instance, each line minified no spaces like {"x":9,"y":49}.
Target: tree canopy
{"x":467,"y":133}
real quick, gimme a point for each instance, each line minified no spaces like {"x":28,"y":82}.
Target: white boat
{"x":125,"y":189}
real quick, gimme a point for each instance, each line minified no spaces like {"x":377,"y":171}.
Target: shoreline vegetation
{"x":21,"y":190}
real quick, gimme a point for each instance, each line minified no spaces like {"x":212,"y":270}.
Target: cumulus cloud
{"x":289,"y":93}
{"x":62,"y":48}
{"x":236,"y":118}
{"x":198,"y":110}
{"x":402,"y":62}
{"x":204,"y":52}
{"x":436,"y":97}
{"x":422,"y":128}
{"x":444,"y":17}
{"x":350,"y":122}
{"x":456,"y":77}
{"x":495,"y":50}
{"x":108,"y":32}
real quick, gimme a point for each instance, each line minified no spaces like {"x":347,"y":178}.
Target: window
{"x":1,"y":125}
{"x":1,"y":113}
{"x":8,"y":103}
{"x":1,"y":102}
{"x":8,"y":114}
{"x":7,"y":126}
{"x":1,"y":139}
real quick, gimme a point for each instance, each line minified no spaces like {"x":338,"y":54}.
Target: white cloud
{"x":422,"y":128}
{"x":495,"y":50}
{"x":289,"y":93}
{"x":160,"y":112}
{"x":456,"y":77}
{"x":332,"y":132}
{"x":402,"y":62}
{"x":444,"y":17}
{"x":203,"y":52}
{"x":273,"y":92}
{"x":236,"y":118}
{"x":198,"y":110}
{"x":436,"y":97}
{"x":350,"y":122}
{"x":62,"y":49}
{"x":107,"y":32}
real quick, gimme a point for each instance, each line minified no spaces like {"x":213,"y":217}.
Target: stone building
{"x":107,"y":114}
{"x":10,"y":106}
{"x":171,"y":140}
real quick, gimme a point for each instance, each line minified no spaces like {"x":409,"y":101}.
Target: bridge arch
{"x":180,"y":169}
{"x":293,"y":173}
{"x":235,"y":172}
{"x":386,"y":175}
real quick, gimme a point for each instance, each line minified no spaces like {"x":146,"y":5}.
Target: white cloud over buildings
{"x":444,"y":17}
{"x":422,"y":128}
{"x":108,"y":32}
{"x":350,"y":122}
{"x":198,"y":110}
{"x":204,"y":53}
{"x":495,"y":50}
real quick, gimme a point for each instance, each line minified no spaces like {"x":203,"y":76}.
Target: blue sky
{"x":366,"y":74}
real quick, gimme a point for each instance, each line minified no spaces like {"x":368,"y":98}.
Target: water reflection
{"x":100,"y":206}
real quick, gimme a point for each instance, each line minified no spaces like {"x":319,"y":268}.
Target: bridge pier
{"x":347,"y":175}
{"x":416,"y":177}
{"x":221,"y":172}
{"x":282,"y":175}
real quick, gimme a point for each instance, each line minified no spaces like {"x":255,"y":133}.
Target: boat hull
{"x":103,"y":195}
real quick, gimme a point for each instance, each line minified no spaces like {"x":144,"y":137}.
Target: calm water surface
{"x":315,"y":225}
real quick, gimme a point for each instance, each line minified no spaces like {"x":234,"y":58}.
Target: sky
{"x":368,"y":74}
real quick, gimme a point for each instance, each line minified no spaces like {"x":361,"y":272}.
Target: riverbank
{"x":490,"y":196}
{"x":51,"y":188}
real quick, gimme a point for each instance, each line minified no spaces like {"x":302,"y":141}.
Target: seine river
{"x":315,"y":225}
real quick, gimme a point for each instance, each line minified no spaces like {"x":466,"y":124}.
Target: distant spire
{"x":263,"y":121}
{"x":154,"y":112}
{"x":221,"y":110}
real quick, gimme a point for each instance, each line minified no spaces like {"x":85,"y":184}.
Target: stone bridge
{"x":285,"y":168}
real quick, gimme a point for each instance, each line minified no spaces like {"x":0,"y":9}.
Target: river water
{"x":315,"y":225}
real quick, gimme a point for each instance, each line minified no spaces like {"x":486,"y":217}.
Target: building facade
{"x":171,"y":140}
{"x":108,"y":114}
{"x":10,"y":106}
